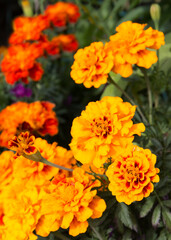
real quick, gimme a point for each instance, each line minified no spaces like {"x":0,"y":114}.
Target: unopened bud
{"x":27,"y":10}
{"x":155,"y":12}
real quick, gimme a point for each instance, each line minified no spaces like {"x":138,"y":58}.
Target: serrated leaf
{"x":126,"y":217}
{"x":147,"y":206}
{"x":162,"y":236}
{"x":156,"y":215}
{"x":167,"y":203}
{"x":127,"y":235}
{"x":166,"y":214}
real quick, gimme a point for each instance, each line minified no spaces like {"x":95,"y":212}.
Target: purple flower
{"x":20,"y":91}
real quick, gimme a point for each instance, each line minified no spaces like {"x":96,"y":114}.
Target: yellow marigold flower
{"x":36,"y":173}
{"x":92,"y":65}
{"x":75,"y":202}
{"x":132,"y":173}
{"x":132,"y":45}
{"x":102,"y":127}
{"x":6,"y":169}
{"x":21,"y":211}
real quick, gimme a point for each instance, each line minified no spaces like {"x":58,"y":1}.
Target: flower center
{"x":101,"y":127}
{"x":132,"y":174}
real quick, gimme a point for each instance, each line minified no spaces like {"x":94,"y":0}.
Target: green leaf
{"x":156,"y":215}
{"x":127,"y":235}
{"x":105,"y":8}
{"x":162,"y":236}
{"x":133,"y":14}
{"x":146,"y":208}
{"x":112,"y":90}
{"x":167,"y":203}
{"x":168,"y":38}
{"x":126,"y":217}
{"x":166,"y":214}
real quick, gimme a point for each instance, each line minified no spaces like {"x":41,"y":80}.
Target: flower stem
{"x":37,"y":157}
{"x":150,"y":101}
{"x":158,"y":198}
{"x":130,"y":99}
{"x":55,"y":165}
{"x":96,"y":232}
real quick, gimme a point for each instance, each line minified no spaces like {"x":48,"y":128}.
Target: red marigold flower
{"x":20,"y":63}
{"x":28,"y":29}
{"x":61,"y":13}
{"x":36,"y":117}
{"x":24,"y":143}
{"x":132,"y":173}
{"x":132,"y":45}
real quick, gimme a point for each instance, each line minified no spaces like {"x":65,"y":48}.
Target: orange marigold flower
{"x":23,"y":144}
{"x":28,"y":28}
{"x":37,"y":173}
{"x":132,"y":45}
{"x":92,"y":65}
{"x":102,"y":127}
{"x":132,"y":173}
{"x":37,"y":117}
{"x":61,"y":13}
{"x":20,"y":63}
{"x":75,"y":202}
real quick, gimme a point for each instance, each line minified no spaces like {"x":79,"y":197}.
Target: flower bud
{"x":155,"y":12}
{"x":27,"y":10}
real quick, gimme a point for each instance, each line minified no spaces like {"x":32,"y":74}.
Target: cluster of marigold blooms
{"x":130,"y":45}
{"x":28,"y":42}
{"x":36,"y":198}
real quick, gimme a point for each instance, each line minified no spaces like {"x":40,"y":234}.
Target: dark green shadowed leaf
{"x":126,"y":217}
{"x":146,"y":208}
{"x":156,"y":215}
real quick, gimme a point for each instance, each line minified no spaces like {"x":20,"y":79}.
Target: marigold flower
{"x":23,"y":144}
{"x":37,"y":117}
{"x":92,"y":65}
{"x":21,"y":205}
{"x":75,"y":202}
{"x":20,"y":63}
{"x":132,"y":173}
{"x":66,"y":42}
{"x":61,"y":13}
{"x":37,"y":172}
{"x":6,"y":169}
{"x":102,"y":127}
{"x":28,"y":29}
{"x":132,"y":45}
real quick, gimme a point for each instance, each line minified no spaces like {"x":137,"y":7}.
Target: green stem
{"x":130,"y":99}
{"x":96,"y":232}
{"x":37,"y":157}
{"x":55,"y":165}
{"x":150,"y":101}
{"x":158,"y":198}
